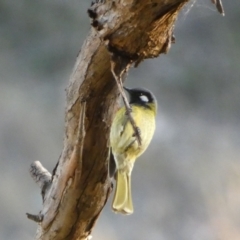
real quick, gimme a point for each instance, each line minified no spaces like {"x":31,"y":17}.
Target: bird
{"x":125,"y":147}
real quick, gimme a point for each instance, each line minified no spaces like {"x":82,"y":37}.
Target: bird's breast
{"x":122,"y":137}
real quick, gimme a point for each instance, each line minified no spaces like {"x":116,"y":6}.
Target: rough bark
{"x":131,"y":30}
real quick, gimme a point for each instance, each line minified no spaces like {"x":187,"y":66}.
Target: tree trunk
{"x":132,"y":30}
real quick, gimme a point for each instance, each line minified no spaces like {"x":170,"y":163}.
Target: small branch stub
{"x":44,"y":179}
{"x":36,"y":218}
{"x":41,"y":176}
{"x":219,"y":6}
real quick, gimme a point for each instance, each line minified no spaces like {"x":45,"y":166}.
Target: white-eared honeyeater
{"x":124,"y":145}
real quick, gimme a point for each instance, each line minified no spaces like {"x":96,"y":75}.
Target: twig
{"x":118,"y":79}
{"x":219,"y":6}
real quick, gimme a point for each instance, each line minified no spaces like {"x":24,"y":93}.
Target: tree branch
{"x":132,"y":30}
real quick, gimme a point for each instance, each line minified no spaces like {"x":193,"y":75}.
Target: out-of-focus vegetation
{"x":187,"y":185}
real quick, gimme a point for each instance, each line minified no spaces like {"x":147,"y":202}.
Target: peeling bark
{"x":130,"y":29}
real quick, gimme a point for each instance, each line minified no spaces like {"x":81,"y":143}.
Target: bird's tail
{"x":122,"y":202}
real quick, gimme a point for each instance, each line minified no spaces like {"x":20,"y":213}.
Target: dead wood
{"x":132,"y":30}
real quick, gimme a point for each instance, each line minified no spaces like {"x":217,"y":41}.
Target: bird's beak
{"x":127,"y":89}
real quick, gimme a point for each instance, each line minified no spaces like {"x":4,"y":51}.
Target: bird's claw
{"x":137,"y":132}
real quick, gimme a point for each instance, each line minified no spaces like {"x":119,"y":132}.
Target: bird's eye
{"x":144,"y":98}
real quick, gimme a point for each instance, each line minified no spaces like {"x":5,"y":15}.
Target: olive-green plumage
{"x":125,"y":147}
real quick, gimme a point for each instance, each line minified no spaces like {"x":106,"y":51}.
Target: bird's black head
{"x":140,"y":96}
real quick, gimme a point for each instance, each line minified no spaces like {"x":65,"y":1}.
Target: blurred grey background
{"x":187,"y":185}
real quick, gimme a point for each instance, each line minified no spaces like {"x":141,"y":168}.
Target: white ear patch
{"x":144,"y":98}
